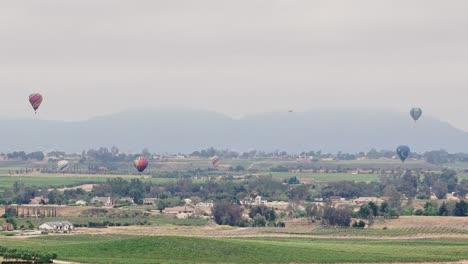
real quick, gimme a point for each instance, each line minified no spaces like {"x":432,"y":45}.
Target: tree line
{"x":25,"y":255}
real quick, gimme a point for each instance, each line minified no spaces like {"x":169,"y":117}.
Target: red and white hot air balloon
{"x":215,"y":161}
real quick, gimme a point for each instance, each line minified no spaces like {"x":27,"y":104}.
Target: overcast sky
{"x":96,"y":57}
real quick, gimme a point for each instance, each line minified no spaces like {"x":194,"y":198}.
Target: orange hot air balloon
{"x":141,"y":163}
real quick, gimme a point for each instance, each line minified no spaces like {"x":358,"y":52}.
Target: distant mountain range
{"x":186,"y":131}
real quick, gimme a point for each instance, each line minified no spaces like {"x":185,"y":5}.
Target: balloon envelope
{"x":63,"y":165}
{"x":403,"y":152}
{"x":416,"y":113}
{"x":215,"y":161}
{"x":141,"y":163}
{"x":35,"y":100}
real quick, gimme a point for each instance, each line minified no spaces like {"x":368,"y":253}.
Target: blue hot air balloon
{"x":403,"y":152}
{"x":416,"y":113}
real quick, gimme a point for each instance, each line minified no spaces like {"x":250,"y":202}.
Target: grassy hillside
{"x":131,"y":249}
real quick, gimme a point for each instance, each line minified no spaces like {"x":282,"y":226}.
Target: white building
{"x":62,"y":227}
{"x":260,"y":201}
{"x":180,"y":211}
{"x":205,"y":204}
{"x":106,"y":201}
{"x":81,"y":203}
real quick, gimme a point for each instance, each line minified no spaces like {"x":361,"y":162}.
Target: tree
{"x":462,"y":188}
{"x":30,"y":225}
{"x":384,"y":208}
{"x":259,"y":221}
{"x":268,"y":213}
{"x":55,"y":197}
{"x":293,"y":180}
{"x":360,"y":224}
{"x":419,"y":212}
{"x":408,"y":184}
{"x":394,"y":197}
{"x":461,"y":208}
{"x":36,"y":155}
{"x":279,"y":168}
{"x":374,"y":208}
{"x":430,"y":209}
{"x":336,"y":216}
{"x":443,"y":211}
{"x":313,"y":212}
{"x":298,"y":192}
{"x":437,"y":157}
{"x":440,"y":189}
{"x":226,"y":213}
{"x":365,"y":211}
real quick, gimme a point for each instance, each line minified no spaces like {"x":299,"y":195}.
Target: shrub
{"x":360,"y":224}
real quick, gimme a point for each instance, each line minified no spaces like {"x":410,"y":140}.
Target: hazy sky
{"x":96,"y":57}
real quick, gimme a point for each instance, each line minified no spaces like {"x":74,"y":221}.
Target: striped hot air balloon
{"x":63,"y":165}
{"x":215,"y":161}
{"x":141,"y":163}
{"x":35,"y":99}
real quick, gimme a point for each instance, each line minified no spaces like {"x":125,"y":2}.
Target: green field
{"x":138,"y":250}
{"x":155,"y":220}
{"x":59,"y":180}
{"x":327,"y":177}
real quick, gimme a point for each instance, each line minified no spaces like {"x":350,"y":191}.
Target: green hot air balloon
{"x":416,"y":113}
{"x":403,"y":152}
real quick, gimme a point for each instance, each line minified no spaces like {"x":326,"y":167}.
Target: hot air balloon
{"x":141,"y":163}
{"x":403,"y":152}
{"x":416,"y":113}
{"x":215,"y":161}
{"x":63,"y":165}
{"x":35,"y":100}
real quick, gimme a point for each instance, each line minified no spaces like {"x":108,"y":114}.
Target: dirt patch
{"x":64,"y":262}
{"x":86,"y":187}
{"x":423,"y":221}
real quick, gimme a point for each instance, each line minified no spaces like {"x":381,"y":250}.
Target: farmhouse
{"x":63,"y":227}
{"x":106,"y":201}
{"x":180,"y":211}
